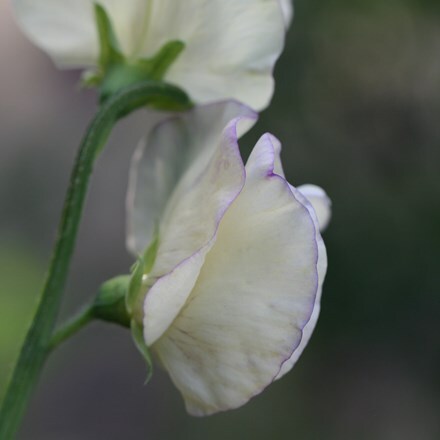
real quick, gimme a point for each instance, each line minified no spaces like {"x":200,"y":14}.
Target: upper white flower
{"x":233,"y":295}
{"x":230,"y":45}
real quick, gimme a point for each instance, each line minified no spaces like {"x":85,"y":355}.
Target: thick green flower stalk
{"x":117,"y":103}
{"x":38,"y":339}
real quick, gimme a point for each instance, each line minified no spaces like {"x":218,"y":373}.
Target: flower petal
{"x":170,"y":153}
{"x":254,"y":295}
{"x":67,"y":30}
{"x":230,"y":47}
{"x":317,"y":197}
{"x":322,"y":269}
{"x":287,"y":8}
{"x":320,"y":202}
{"x":190,"y":220}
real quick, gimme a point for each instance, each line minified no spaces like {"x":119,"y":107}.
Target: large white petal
{"x":322,"y":269}
{"x":231,"y":46}
{"x":320,"y":201}
{"x":189,"y":225}
{"x":318,"y":204}
{"x":254,"y":295}
{"x":186,"y":141}
{"x":67,"y":31}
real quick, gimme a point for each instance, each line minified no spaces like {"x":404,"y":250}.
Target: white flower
{"x":233,"y":295}
{"x":230,"y":45}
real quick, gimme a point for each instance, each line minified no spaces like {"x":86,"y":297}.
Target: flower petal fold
{"x":254,"y":295}
{"x":320,"y":202}
{"x":211,"y":178}
{"x":175,"y":153}
{"x":322,"y":269}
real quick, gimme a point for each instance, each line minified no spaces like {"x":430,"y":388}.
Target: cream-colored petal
{"x":317,"y":197}
{"x":188,"y":227}
{"x":322,"y":269}
{"x":267,"y":158}
{"x":231,"y":47}
{"x":318,"y":204}
{"x":66,"y":29}
{"x":287,"y":8}
{"x":320,"y":201}
{"x":177,"y":149}
{"x":254,"y":295}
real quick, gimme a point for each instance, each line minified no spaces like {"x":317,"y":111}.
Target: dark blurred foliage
{"x":357,"y":108}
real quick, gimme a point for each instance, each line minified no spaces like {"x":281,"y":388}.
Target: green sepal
{"x":138,"y":337}
{"x":142,"y":267}
{"x":115,"y":71}
{"x":134,"y":288}
{"x":110,"y":303}
{"x":90,"y":79}
{"x":151,"y":253}
{"x":158,"y":65}
{"x":117,"y":75}
{"x":109,"y":50}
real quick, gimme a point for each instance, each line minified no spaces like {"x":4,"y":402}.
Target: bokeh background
{"x":357,"y":107}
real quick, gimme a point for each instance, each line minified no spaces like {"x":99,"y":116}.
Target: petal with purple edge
{"x":188,"y":229}
{"x":322,"y":269}
{"x":254,"y":295}
{"x":177,"y":150}
{"x":320,"y":201}
{"x":318,"y":204}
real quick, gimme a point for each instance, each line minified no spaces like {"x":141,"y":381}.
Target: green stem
{"x":72,"y":326}
{"x":37,"y":342}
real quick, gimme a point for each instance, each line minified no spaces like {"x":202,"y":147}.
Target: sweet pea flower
{"x":233,"y":294}
{"x":230,"y":46}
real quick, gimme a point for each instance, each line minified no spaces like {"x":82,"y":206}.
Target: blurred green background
{"x":357,"y":108}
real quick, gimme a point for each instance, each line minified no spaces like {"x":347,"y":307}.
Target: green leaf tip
{"x":138,"y":337}
{"x":110,"y":52}
{"x":150,"y":253}
{"x":142,"y":267}
{"x":135,"y":285}
{"x":115,"y":71}
{"x":158,"y":65}
{"x":90,"y":79}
